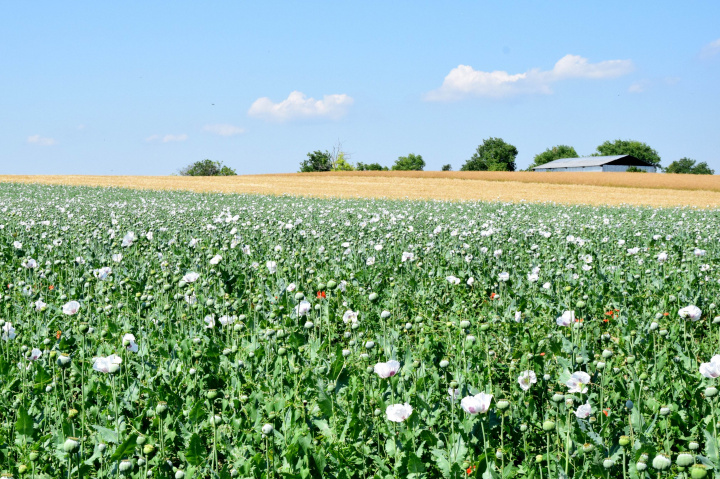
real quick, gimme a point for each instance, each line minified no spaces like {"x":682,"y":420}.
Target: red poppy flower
{"x":57,"y":334}
{"x":51,"y":287}
{"x":471,"y":469}
{"x":606,"y":411}
{"x":321,"y":294}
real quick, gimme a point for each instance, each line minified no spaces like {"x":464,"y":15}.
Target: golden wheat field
{"x":568,"y":188}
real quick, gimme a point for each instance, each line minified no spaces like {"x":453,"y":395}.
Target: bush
{"x":492,"y":155}
{"x":635,"y":169}
{"x":447,"y":167}
{"x":317,"y":161}
{"x":207,"y":168}
{"x":370,"y":167}
{"x":412,"y":162}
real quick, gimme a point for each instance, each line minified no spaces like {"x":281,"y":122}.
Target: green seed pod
{"x":548,"y":425}
{"x":34,"y":456}
{"x":523,"y":427}
{"x":661,"y":462}
{"x":148,"y":449}
{"x":179,"y":474}
{"x":331,"y":284}
{"x":630,"y":359}
{"x":373,"y":296}
{"x":698,"y":471}
{"x":465,"y":324}
{"x":624,"y":440}
{"x":539,"y":458}
{"x":643,"y":376}
{"x":161,"y":407}
{"x":22,"y":468}
{"x":503,"y":404}
{"x":72,"y":413}
{"x":63,"y":360}
{"x":580,"y":304}
{"x":608,"y":463}
{"x":685,"y":459}
{"x":587,"y":447}
{"x":711,"y":391}
{"x":640,"y":466}
{"x":140,"y":440}
{"x":484,"y":327}
{"x":694,"y":445}
{"x":211,"y":394}
{"x":125,"y":465}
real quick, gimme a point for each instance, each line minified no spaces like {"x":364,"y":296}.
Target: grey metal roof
{"x":577,"y":162}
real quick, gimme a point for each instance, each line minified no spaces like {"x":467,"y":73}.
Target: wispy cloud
{"x":224,"y":129}
{"x":638,"y":87}
{"x":711,"y":49}
{"x":298,"y":106}
{"x":166,"y":138}
{"x":464,"y":81}
{"x":39,"y":140}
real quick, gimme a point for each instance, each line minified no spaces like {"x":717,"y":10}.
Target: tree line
{"x":493,"y":154}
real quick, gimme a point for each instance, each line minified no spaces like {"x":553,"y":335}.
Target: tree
{"x":207,"y":168}
{"x":370,"y":167}
{"x":412,"y":162}
{"x":317,"y":161}
{"x":341,"y":164}
{"x":492,"y":155}
{"x":447,"y":167}
{"x":639,"y":150}
{"x":688,"y":166}
{"x":552,"y":154}
{"x":635,"y":169}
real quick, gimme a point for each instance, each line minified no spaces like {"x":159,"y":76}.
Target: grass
{"x":568,"y":188}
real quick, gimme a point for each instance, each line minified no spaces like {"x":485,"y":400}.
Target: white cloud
{"x":465,"y":81}
{"x":298,"y":106}
{"x":711,"y":49}
{"x":224,"y":129}
{"x":167,"y":138}
{"x":39,"y":140}
{"x":638,"y":87}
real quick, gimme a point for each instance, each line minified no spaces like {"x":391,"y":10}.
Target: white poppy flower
{"x":711,"y":370}
{"x":583,"y":411}
{"x":215,"y":259}
{"x":527,"y":379}
{"x":388,"y":369}
{"x":690,"y":312}
{"x":398,"y":412}
{"x":8,"y":332}
{"x":109,"y":364}
{"x":578,"y":382}
{"x":71,"y":307}
{"x":567,"y":318}
{"x":191,"y":277}
{"x":480,"y":403}
{"x":302,"y":308}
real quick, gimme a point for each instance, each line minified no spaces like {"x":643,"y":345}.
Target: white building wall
{"x":620,"y":168}
{"x":576,"y":168}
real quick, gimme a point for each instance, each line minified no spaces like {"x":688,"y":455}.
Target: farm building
{"x":597,"y":163}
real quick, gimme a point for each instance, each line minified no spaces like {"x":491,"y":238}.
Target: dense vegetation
{"x":168,"y":334}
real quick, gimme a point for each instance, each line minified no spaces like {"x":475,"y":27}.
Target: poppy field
{"x":185,"y":335}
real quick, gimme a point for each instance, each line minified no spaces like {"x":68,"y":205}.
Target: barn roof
{"x":593,"y":161}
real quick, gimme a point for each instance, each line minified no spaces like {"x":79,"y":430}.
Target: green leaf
{"x":24,"y":425}
{"x":107,"y":435}
{"x":195,"y":453}
{"x":127,"y":447}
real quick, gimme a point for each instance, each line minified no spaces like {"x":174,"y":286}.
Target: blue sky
{"x":145,"y":88}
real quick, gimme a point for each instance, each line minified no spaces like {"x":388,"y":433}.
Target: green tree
{"x":341,"y":164}
{"x":447,"y":167}
{"x":317,"y":161}
{"x":207,"y":168}
{"x":412,"y":162}
{"x":370,"y":167}
{"x":637,"y":149}
{"x":635,"y":169}
{"x":492,"y":155}
{"x":552,"y":154}
{"x":688,"y":166}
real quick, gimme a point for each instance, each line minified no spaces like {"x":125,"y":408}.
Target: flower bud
{"x":71,"y":444}
{"x":267,"y":429}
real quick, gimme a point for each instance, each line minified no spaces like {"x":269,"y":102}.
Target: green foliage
{"x":635,"y":169}
{"x":637,"y":149}
{"x":447,"y":167}
{"x":317,"y":161}
{"x":688,"y":166}
{"x":341,"y":164}
{"x":552,"y":154}
{"x":494,"y":154}
{"x":370,"y":167}
{"x":412,"y":162}
{"x":207,"y":167}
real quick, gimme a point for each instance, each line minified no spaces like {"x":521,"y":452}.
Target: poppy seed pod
{"x":711,"y":391}
{"x":587,"y":447}
{"x":661,"y":462}
{"x":640,"y":466}
{"x":161,"y":407}
{"x":464,"y":324}
{"x":125,"y":465}
{"x":685,"y":459}
{"x":693,"y":445}
{"x":608,"y":463}
{"x":267,"y":429}
{"x":180,"y":474}
{"x":503,"y":404}
{"x":624,"y":440}
{"x":444,"y":363}
{"x":698,"y":471}
{"x":548,"y":425}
